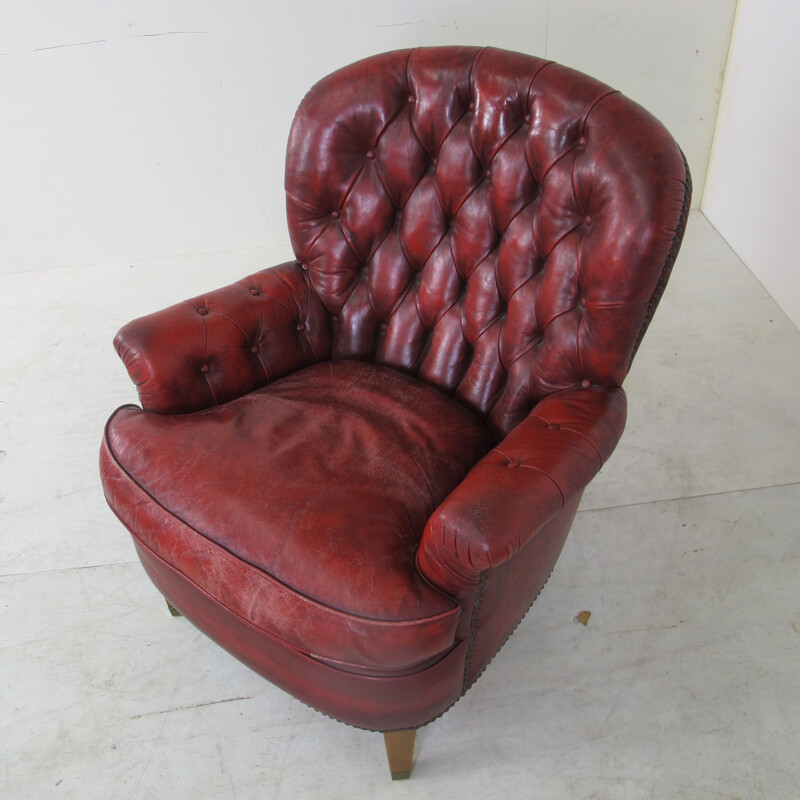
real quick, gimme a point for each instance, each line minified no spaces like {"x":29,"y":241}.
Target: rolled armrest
{"x":520,"y":485}
{"x":222,"y":345}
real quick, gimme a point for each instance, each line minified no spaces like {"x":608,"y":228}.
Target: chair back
{"x":496,"y":224}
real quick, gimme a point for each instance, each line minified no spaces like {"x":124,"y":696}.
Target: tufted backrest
{"x":496,"y":224}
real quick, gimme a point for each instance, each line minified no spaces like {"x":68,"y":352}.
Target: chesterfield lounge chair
{"x":355,"y":471}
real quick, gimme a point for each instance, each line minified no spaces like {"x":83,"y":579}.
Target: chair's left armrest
{"x":227,"y":343}
{"x":523,"y":483}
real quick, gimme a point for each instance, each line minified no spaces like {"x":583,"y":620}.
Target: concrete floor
{"x":685,"y":683}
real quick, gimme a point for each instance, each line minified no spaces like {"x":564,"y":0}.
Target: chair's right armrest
{"x":522,"y":484}
{"x":224,"y":344}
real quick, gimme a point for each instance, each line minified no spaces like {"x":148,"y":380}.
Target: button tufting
{"x":507,"y":228}
{"x":487,"y":322}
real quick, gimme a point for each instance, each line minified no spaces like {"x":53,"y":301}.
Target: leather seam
{"x":473,"y":629}
{"x":535,"y":75}
{"x":539,"y":470}
{"x":572,"y":430}
{"x":270,"y":579}
{"x":205,"y":356}
{"x":559,"y":240}
{"x":669,"y":262}
{"x":327,"y":661}
{"x":591,"y":107}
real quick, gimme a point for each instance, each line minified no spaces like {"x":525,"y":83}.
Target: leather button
{"x":205,"y":369}
{"x":304,"y":267}
{"x":202,"y":311}
{"x":488,"y":174}
{"x":301,"y":327}
{"x":553,"y":426}
{"x":582,"y":141}
{"x":513,"y":464}
{"x":527,"y":119}
{"x":586,"y":383}
{"x":411,"y":98}
{"x":254,"y":292}
{"x":335,"y":214}
{"x":370,"y":154}
{"x":254,"y":349}
{"x":588,"y":220}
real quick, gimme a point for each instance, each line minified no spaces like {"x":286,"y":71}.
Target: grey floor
{"x":685,"y":683}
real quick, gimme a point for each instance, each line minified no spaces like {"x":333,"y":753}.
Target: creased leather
{"x":302,"y":505}
{"x":521,"y":485}
{"x":222,"y":345}
{"x":486,"y":225}
{"x":491,"y":222}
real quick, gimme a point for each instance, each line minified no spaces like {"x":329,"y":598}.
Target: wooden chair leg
{"x":172,"y":610}
{"x":400,"y":750}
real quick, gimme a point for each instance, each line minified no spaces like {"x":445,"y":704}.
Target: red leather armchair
{"x":355,"y":471}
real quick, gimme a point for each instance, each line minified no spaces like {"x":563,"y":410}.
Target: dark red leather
{"x":505,"y":593}
{"x":523,"y":483}
{"x":379,"y":703}
{"x":330,"y":475}
{"x":493,"y":223}
{"x":482,"y":238}
{"x":224,"y":344}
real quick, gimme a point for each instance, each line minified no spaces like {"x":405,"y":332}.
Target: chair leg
{"x":172,"y":610}
{"x":400,"y":750}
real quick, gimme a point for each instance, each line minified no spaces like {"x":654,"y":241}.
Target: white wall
{"x":753,"y":191}
{"x":138,"y":128}
{"x":668,"y":55}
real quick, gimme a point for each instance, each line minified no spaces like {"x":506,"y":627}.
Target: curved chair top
{"x":496,"y":224}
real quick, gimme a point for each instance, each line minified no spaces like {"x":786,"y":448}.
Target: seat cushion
{"x":301,"y":506}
